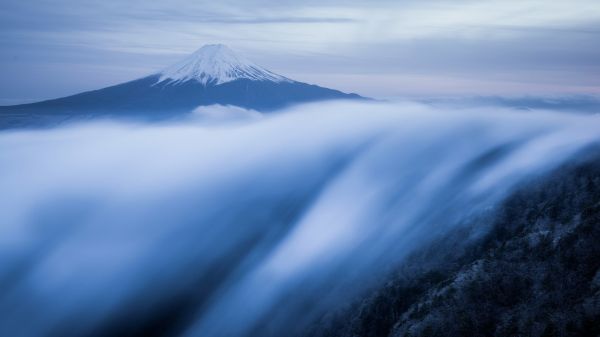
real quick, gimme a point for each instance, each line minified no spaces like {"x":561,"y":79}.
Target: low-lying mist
{"x":246,"y":226}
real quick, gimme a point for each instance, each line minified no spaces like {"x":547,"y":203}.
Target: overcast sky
{"x":51,"y":48}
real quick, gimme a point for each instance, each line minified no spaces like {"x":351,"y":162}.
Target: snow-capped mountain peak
{"x":215,"y":64}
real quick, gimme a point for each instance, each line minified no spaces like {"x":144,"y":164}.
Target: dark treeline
{"x":534,"y":273}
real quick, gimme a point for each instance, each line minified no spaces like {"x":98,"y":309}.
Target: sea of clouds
{"x":260,"y":222}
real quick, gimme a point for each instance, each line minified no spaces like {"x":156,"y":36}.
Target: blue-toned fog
{"x":257,"y":222}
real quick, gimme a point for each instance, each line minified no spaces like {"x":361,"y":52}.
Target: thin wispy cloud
{"x":530,"y":46}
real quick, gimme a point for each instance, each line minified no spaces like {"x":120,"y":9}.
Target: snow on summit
{"x":216,"y":64}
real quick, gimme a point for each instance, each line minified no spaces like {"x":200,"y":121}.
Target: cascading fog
{"x":251,"y":227}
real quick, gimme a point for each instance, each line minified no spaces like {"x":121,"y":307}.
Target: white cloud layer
{"x":99,"y":220}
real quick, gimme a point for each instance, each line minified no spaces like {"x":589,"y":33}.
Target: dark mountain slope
{"x":536,"y":273}
{"x":144,"y":98}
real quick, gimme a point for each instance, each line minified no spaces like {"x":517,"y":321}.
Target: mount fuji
{"x":214,"y":74}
